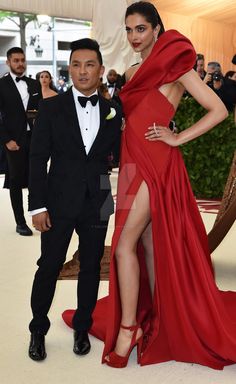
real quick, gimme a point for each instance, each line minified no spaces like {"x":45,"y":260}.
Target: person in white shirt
{"x":76,"y":131}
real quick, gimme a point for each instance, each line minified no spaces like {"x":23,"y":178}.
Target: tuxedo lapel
{"x":68,"y":104}
{"x":32,"y":91}
{"x":104,"y":112}
{"x":15,"y":94}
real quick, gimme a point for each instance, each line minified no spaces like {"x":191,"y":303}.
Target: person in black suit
{"x":76,"y":131}
{"x":113,"y":85}
{"x":18,"y":94}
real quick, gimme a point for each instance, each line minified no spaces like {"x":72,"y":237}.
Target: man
{"x":18,"y":94}
{"x":213,"y":77}
{"x":76,"y":130}
{"x":199,"y":66}
{"x":62,"y":86}
{"x":113,"y":85}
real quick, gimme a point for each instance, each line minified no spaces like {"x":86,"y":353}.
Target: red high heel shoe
{"x":117,"y":361}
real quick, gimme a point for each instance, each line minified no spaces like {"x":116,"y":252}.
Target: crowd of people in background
{"x":223,"y":85}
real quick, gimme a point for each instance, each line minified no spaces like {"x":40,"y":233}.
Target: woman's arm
{"x":216,"y":112}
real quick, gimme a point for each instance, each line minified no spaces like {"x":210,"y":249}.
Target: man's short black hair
{"x":14,"y":50}
{"x":234,"y":60}
{"x":86,"y":43}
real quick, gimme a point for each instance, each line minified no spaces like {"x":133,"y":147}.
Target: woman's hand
{"x":160,"y":133}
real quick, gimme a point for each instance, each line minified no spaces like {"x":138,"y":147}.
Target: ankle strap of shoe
{"x":130,"y":328}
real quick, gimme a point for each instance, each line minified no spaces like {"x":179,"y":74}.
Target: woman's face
{"x":44,"y":78}
{"x":140,"y":32}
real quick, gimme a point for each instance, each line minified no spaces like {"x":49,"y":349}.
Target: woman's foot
{"x":127,"y":338}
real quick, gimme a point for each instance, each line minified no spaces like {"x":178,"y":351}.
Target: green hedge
{"x":208,"y":158}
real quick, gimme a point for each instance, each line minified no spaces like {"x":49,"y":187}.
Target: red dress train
{"x":189,"y":318}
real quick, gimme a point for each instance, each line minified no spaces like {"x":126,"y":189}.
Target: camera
{"x":217,"y":76}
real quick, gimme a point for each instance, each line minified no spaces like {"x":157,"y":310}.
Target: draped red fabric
{"x":188,"y":319}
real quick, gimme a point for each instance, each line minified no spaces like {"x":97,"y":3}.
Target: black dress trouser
{"x":54,"y":244}
{"x":18,"y":173}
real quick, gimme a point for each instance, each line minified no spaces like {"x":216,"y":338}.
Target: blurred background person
{"x":114,"y":85}
{"x":103,"y":90}
{"x":48,"y":88}
{"x":199,"y":66}
{"x":62,"y":86}
{"x":229,"y":92}
{"x":214,"y":76}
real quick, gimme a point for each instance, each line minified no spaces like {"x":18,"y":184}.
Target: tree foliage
{"x":208,"y":158}
{"x":21,"y":20}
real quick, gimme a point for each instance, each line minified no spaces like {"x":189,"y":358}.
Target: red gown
{"x":189,"y":318}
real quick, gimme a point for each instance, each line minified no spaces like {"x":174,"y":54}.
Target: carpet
{"x":70,"y":269}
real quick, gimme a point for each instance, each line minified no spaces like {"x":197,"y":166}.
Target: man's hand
{"x":41,"y":222}
{"x":12,"y":146}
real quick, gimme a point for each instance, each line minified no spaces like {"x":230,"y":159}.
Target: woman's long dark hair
{"x":148,"y":11}
{"x":51,"y":84}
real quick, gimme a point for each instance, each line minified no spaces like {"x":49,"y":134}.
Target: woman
{"x":162,"y":294}
{"x":45,"y":79}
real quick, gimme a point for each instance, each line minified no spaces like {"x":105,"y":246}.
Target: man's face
{"x":200,"y":66}
{"x":85,"y":70}
{"x":17,"y":63}
{"x":112,"y":76}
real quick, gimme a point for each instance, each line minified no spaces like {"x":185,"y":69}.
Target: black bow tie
{"x":20,"y":78}
{"x":83,"y":100}
{"x":111,"y":85}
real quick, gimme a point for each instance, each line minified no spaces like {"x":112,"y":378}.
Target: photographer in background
{"x":224,"y":87}
{"x":214,"y":76}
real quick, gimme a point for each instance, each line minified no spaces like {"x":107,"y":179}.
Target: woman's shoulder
{"x":129,"y":73}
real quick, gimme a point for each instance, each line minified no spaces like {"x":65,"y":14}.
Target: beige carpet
{"x":18,"y":257}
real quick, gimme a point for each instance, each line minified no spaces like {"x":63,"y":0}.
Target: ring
{"x":156,"y":131}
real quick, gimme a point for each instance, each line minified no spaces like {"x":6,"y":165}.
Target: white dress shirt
{"x":89,"y":119}
{"x":111,"y":90}
{"x":89,"y":122}
{"x":23,"y":91}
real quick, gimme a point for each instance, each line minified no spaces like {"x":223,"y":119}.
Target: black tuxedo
{"x":76,"y":193}
{"x":13,"y":126}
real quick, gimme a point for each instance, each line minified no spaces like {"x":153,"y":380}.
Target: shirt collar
{"x":77,"y":93}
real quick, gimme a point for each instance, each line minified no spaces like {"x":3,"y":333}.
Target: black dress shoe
{"x":23,"y":230}
{"x":82,"y":344}
{"x":37,"y":350}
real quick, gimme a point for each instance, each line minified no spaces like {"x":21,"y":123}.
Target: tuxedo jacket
{"x":13,"y":119}
{"x":72,"y":174}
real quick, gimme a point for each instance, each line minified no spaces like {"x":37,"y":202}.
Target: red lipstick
{"x":136,"y":45}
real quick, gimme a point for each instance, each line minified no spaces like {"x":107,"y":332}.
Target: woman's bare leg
{"x":147,"y":241}
{"x":128,"y":265}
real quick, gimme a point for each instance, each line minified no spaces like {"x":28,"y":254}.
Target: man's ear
{"x":102,"y":70}
{"x":69,"y":69}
